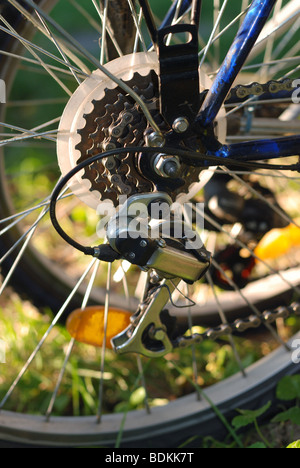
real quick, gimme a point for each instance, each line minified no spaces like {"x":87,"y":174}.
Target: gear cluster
{"x":117,"y":121}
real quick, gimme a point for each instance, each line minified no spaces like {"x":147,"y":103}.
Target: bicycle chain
{"x":257,"y":89}
{"x":239,"y":325}
{"x":268,"y":316}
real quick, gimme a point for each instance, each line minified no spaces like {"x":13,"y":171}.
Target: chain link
{"x":257,"y":89}
{"x":269,"y":316}
{"x":239,"y":325}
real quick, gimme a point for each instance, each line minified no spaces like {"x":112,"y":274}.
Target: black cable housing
{"x":104,"y":251}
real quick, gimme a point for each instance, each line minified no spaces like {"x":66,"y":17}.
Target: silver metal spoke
{"x":104,"y":26}
{"x":193,"y":348}
{"x":137,"y":25}
{"x":41,"y":50}
{"x":46,"y":334}
{"x":273,"y":207}
{"x":71,"y":344}
{"x":224,"y":320}
{"x":60,"y":45}
{"x":245,"y":246}
{"x":47,"y":135}
{"x":59,"y":48}
{"x":36,"y":56}
{"x":27,"y":236}
{"x":215,"y":28}
{"x":96,"y":62}
{"x":281,"y":63}
{"x":103,"y":349}
{"x":263,"y":74}
{"x":58,"y":70}
{"x":251,"y":306}
{"x":286,"y":39}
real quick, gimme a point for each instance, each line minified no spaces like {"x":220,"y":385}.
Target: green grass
{"x":21,"y":328}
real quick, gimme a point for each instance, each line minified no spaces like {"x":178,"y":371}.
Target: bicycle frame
{"x":254,"y":21}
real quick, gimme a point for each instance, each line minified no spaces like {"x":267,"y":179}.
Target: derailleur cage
{"x":172,"y":260}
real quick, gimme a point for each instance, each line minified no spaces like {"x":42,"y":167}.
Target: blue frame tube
{"x":245,"y":39}
{"x":258,"y":150}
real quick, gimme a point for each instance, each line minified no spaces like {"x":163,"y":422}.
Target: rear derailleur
{"x":170,"y":251}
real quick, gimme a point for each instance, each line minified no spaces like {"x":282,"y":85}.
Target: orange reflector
{"x":87,"y":325}
{"x":278,"y":242}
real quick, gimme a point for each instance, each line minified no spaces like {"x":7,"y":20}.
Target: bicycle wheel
{"x":93,"y":104}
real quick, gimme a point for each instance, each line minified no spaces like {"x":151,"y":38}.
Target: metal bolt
{"x":155,"y":139}
{"x":157,"y":333}
{"x":161,"y":242}
{"x":154,"y":277}
{"x":166,"y":165}
{"x":180,"y":125}
{"x":143,"y":243}
{"x":171,"y":168}
{"x":131,"y":255}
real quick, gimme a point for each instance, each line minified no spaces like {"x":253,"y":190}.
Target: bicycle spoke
{"x":58,"y":48}
{"x":224,"y":30}
{"x":270,"y":44}
{"x":78,"y":62}
{"x":220,"y":228}
{"x":46,"y":334}
{"x":213,"y":32}
{"x":47,"y":135}
{"x":43,"y":51}
{"x":249,"y":304}
{"x":41,"y":62}
{"x":95,"y":62}
{"x":224,"y":320}
{"x":273,"y":207}
{"x":105,"y":318}
{"x":193,"y":348}
{"x":46,"y":31}
{"x":58,"y":70}
{"x":71,"y":344}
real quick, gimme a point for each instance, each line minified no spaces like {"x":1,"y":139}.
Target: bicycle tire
{"x":47,"y":285}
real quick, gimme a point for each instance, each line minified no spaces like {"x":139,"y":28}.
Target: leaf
{"x":288,"y":387}
{"x":295,"y":444}
{"x":249,"y":416}
{"x":292,"y":414}
{"x":257,"y":445}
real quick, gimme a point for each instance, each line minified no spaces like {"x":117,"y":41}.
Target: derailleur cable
{"x":104,"y":251}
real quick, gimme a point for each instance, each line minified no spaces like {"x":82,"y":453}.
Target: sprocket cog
{"x":116,"y":121}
